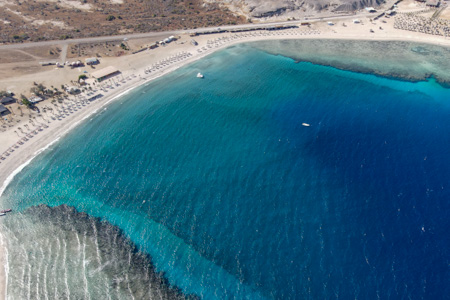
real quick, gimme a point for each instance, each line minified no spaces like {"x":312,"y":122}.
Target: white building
{"x":35,"y":99}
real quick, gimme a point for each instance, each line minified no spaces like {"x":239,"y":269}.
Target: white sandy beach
{"x":134,"y":66}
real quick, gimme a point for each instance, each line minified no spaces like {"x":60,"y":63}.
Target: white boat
{"x":200,"y":75}
{"x":305,"y":124}
{"x":2,"y":214}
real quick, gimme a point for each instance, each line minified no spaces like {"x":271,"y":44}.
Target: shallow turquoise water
{"x":219,"y":182}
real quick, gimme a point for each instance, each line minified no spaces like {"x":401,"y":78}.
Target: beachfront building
{"x":7,"y":100}
{"x":35,"y":99}
{"x":105,"y":73}
{"x":3,"y":110}
{"x":433,"y":3}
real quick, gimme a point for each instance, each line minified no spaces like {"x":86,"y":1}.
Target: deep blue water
{"x":219,"y":182}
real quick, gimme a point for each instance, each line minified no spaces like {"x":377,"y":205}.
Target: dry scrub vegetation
{"x":37,"y":20}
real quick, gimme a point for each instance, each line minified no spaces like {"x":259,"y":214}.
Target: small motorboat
{"x":200,"y":75}
{"x":2,"y":214}
{"x":305,"y":124}
{"x":6,"y":211}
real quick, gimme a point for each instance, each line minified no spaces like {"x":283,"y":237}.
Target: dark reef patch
{"x":392,"y":59}
{"x":124,"y":270}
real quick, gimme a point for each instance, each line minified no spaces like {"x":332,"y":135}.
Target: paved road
{"x":164,"y":34}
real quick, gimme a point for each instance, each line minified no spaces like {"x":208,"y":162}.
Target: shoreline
{"x":25,"y":154}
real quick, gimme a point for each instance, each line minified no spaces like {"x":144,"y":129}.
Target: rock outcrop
{"x":274,"y":8}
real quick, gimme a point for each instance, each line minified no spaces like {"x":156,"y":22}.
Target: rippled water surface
{"x":58,"y":253}
{"x":220,"y":184}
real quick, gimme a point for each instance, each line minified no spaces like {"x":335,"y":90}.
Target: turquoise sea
{"x":213,"y":188}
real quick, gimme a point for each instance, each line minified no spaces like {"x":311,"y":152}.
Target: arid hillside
{"x":291,"y":8}
{"x":36,"y":20}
